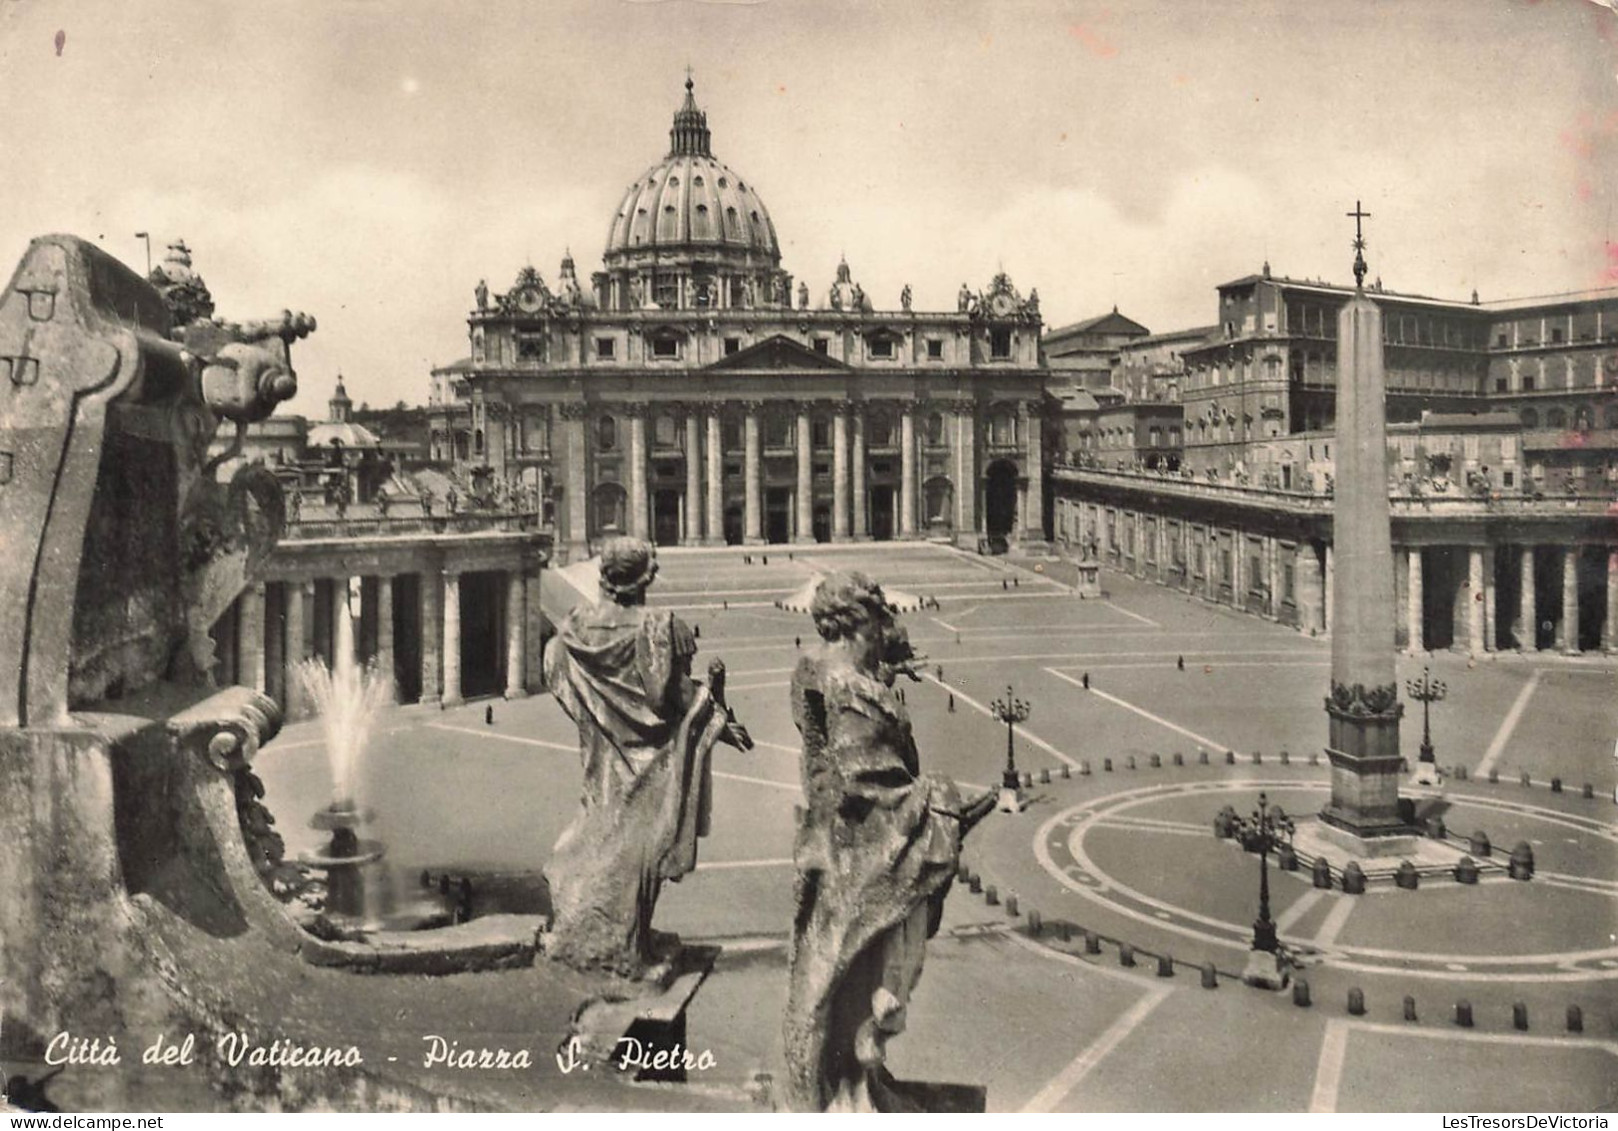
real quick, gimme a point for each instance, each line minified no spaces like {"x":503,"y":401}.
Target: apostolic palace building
{"x":693,"y":394}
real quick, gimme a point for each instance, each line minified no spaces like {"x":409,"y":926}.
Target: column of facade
{"x":1307,"y":585}
{"x":452,"y":639}
{"x":432,"y":636}
{"x":1329,"y":585}
{"x":716,"y":479}
{"x":1570,"y":600}
{"x":1272,"y":570}
{"x":804,"y":495}
{"x":1527,"y":602}
{"x":693,"y":478}
{"x":384,"y":632}
{"x":907,"y":472}
{"x":1034,"y":503}
{"x":1413,"y":598}
{"x":639,"y":517}
{"x":275,"y":657}
{"x":297,"y":644}
{"x":516,"y":634}
{"x":1609,"y":623}
{"x":575,"y":484}
{"x":862,"y":526}
{"x":839,"y":475}
{"x":1491,"y":626}
{"x":1474,"y":600}
{"x":250,"y":637}
{"x":1238,"y":573}
{"x":966,"y":475}
{"x":752,"y":475}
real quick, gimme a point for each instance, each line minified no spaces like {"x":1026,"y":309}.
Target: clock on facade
{"x":528,"y":299}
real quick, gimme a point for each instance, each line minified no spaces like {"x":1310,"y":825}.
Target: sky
{"x":369,"y":161}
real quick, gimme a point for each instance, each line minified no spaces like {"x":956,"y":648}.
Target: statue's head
{"x":849,"y":607}
{"x":628,"y":566}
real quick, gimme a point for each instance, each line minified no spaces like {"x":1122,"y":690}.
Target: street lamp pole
{"x":1011,"y":711}
{"x":1264,"y":831}
{"x":1426,"y":691}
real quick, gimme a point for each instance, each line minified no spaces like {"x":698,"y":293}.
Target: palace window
{"x":820,"y":433}
{"x":880,"y":347}
{"x":1000,"y":343}
{"x":1556,"y":418}
{"x":935,"y":428}
{"x":1003,"y":427}
{"x":664,"y":432}
{"x":606,"y":433}
{"x":606,"y":348}
{"x":935,"y":350}
{"x":879,"y":430}
{"x":666,"y":291}
{"x":732,"y":345}
{"x":777,"y":429}
{"x":1528,"y":382}
{"x":730,"y":434}
{"x":666,"y":346}
{"x":822,"y":345}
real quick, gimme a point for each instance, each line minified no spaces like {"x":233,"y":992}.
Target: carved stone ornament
{"x":1362,"y":701}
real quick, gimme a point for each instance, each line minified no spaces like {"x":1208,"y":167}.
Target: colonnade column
{"x":452,"y":639}
{"x":693,"y":478}
{"x":575,"y":484}
{"x":1034,"y":501}
{"x":1570,"y":599}
{"x":1272,"y":555}
{"x":639,"y":519}
{"x":862,"y":528}
{"x":1491,"y":627}
{"x":907,"y":472}
{"x":966,"y":475}
{"x":250,"y":635}
{"x":516,"y":634}
{"x":804,"y":496}
{"x":839,"y":475}
{"x":431,"y":616}
{"x":1474,"y":600}
{"x":384,"y":633}
{"x":1330,"y":585}
{"x":1413,"y":609}
{"x":716,"y":479}
{"x":1528,"y":602}
{"x":297,"y":645}
{"x":752,"y":473}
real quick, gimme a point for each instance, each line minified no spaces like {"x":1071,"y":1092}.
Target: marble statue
{"x":622,"y":673}
{"x":877,"y":848}
{"x":803,"y":296}
{"x":905,"y":299}
{"x":481,"y":293}
{"x":963,"y":301}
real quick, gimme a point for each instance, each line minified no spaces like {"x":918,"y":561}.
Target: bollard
{"x":1036,"y":923}
{"x":1575,"y":1019}
{"x":1356,"y":1002}
{"x":1479,"y":844}
{"x":1202,"y":757}
{"x":1460,"y":773}
{"x":1011,"y":904}
{"x":1286,"y":759}
{"x":1106,"y":765}
{"x":1092,"y":943}
{"x":1494,"y":777}
{"x":426,"y":878}
{"x":975,"y":884}
{"x":1126,"y":954}
{"x":1131,"y":762}
{"x":1165,"y":966}
{"x":1353,"y":878}
{"x":1556,"y":785}
{"x":1406,"y":876}
{"x":991,"y":896}
{"x":1463,"y":1014}
{"x":1466,"y":870}
{"x":1028,"y":781}
{"x":1156,"y":762}
{"x":1210,"y":976}
{"x":1589,"y":791}
{"x":1410,"y":1008}
{"x":1084,"y":768}
{"x":1522,"y":861}
{"x":1322,"y":873}
{"x":963,"y":873}
{"x":1179,"y":759}
{"x":1300,"y":993}
{"x":1526,"y":780}
{"x":1230,"y":757}
{"x":1314,"y":759}
{"x":1045,"y":776}
{"x":1519,"y":1016}
{"x":1436,"y":829}
{"x":1286,"y":858}
{"x":1064,"y":931}
{"x":1258,"y":759}
{"x":1067,"y":771}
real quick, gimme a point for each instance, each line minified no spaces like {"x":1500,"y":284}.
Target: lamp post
{"x":1263,"y":831}
{"x":1426,"y":691}
{"x":1011,"y":711}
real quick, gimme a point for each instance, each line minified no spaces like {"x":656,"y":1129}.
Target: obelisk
{"x":1363,"y":709}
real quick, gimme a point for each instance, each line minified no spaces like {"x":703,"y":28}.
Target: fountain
{"x":347,"y":699}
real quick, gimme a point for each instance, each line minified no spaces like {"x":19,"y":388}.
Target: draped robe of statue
{"x":646,"y":736}
{"x":876,"y":851}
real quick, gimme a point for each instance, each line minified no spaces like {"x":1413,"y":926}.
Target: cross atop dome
{"x":690,"y":137}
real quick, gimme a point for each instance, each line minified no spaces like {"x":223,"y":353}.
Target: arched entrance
{"x":1000,"y":499}
{"x":666,"y":517}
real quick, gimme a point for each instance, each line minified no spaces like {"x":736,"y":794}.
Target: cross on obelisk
{"x":1359,"y":245}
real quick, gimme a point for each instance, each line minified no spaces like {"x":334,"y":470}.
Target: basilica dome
{"x":691,"y":205}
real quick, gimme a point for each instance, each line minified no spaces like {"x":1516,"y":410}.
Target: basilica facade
{"x":692,"y":393}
